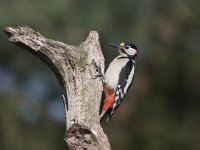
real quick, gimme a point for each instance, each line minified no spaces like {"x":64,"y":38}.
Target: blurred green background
{"x":162,"y":108}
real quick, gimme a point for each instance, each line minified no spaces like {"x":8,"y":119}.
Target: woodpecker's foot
{"x":99,"y":73}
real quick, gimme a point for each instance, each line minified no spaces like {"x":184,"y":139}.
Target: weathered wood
{"x":74,"y":68}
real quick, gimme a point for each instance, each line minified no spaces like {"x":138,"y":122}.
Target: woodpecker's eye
{"x":127,"y":47}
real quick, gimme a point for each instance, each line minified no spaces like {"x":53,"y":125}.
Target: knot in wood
{"x":80,"y":137}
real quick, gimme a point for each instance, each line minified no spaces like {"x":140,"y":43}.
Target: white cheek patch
{"x":131,"y":51}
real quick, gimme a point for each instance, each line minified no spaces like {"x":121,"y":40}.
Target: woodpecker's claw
{"x":97,"y":76}
{"x":99,"y":73}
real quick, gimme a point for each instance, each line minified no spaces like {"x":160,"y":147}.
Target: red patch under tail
{"x":110,"y":98}
{"x":109,"y":101}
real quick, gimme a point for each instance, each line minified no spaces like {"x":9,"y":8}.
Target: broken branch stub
{"x":73,"y":67}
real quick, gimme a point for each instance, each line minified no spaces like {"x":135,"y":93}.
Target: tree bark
{"x":74,"y":67}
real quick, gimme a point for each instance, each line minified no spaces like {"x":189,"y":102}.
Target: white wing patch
{"x":129,"y":80}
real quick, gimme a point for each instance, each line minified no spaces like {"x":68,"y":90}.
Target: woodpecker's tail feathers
{"x":104,"y":114}
{"x":109,"y":117}
{"x":110,"y":114}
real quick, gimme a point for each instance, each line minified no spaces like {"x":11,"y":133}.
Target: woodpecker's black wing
{"x":125,"y":80}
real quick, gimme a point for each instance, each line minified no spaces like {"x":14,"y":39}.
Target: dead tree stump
{"x":74,"y":67}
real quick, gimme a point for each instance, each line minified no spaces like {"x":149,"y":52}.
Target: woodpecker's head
{"x":126,"y":48}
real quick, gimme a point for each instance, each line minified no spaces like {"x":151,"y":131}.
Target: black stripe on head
{"x":131,"y":45}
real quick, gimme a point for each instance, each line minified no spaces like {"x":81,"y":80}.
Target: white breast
{"x":113,"y":71}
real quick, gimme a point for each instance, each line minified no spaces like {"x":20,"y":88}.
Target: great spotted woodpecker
{"x":118,"y":78}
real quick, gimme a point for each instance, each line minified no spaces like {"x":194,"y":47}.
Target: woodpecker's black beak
{"x":115,"y":45}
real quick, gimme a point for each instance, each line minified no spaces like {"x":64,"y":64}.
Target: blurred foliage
{"x":162,"y":109}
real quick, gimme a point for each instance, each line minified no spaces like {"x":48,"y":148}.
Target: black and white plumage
{"x":118,"y":78}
